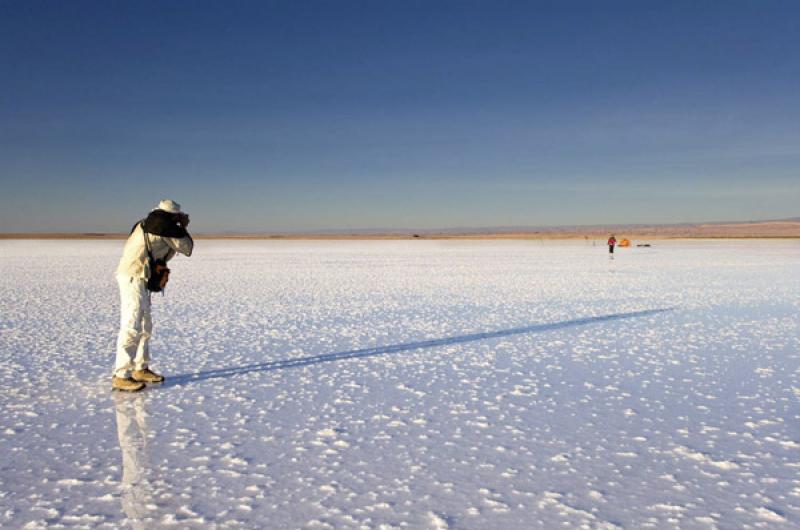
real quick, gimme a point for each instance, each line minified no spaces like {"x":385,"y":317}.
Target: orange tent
{"x":624,"y":243}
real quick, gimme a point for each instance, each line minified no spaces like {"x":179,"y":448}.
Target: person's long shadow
{"x":269,"y":366}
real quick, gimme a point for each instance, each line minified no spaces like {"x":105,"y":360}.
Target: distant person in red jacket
{"x":611,"y":242}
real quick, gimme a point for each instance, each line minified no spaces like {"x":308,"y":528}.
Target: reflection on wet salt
{"x":136,"y":488}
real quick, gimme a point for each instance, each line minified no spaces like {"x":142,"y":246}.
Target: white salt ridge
{"x":409,"y":384}
{"x":705,"y":459}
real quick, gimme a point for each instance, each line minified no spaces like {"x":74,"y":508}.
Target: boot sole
{"x":128,"y":389}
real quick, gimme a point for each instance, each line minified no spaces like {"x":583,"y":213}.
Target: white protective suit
{"x":136,"y":326}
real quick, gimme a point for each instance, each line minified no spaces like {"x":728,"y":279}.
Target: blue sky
{"x":281,"y":116}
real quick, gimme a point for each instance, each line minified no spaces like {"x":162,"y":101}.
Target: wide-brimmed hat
{"x":168,"y":206}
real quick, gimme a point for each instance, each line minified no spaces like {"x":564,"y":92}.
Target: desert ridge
{"x":789,"y":228}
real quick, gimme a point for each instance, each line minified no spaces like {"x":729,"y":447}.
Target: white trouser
{"x":135,"y":326}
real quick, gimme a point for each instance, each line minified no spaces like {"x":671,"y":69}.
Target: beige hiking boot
{"x":126,"y":383}
{"x":147,"y":376}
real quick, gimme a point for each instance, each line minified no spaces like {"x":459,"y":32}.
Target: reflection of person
{"x":611,"y":242}
{"x":158,"y":237}
{"x":132,"y":431}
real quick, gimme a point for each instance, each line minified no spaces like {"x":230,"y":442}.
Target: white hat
{"x":168,"y":206}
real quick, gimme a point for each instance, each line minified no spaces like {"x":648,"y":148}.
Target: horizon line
{"x":444,"y":231}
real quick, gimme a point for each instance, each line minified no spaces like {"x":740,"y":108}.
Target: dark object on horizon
{"x":643,"y":245}
{"x":415,"y":235}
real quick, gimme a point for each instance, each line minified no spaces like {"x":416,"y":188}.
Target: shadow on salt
{"x":184,"y":379}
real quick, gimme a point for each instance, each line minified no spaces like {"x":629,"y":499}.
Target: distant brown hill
{"x":787,"y":228}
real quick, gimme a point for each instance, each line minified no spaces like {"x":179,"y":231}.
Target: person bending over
{"x":153,"y":241}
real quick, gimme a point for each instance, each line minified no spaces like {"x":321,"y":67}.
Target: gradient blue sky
{"x":280,"y":116}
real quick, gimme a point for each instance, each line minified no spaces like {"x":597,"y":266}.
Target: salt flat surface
{"x":412,"y":384}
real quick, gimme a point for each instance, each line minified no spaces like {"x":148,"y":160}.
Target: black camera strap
{"x":147,"y":243}
{"x":152,"y":263}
